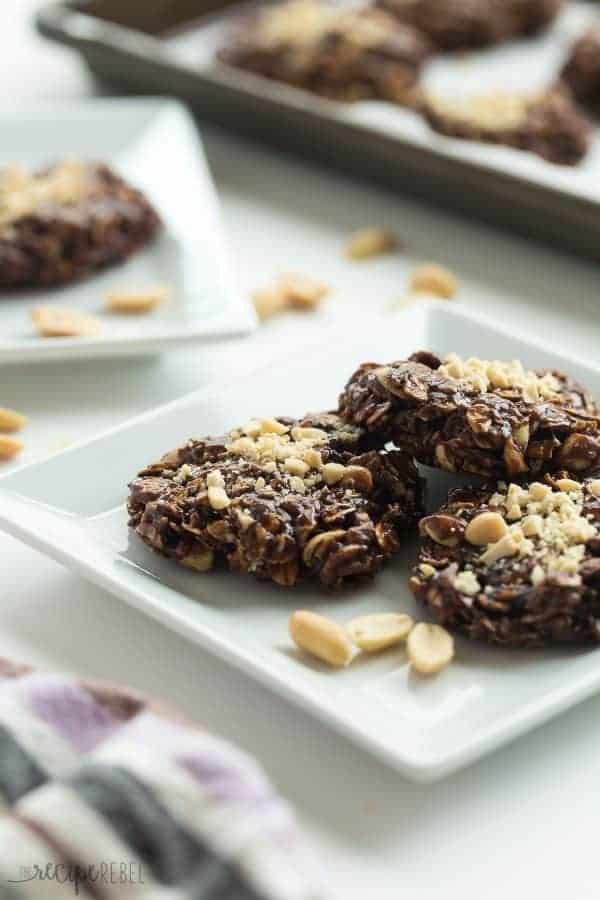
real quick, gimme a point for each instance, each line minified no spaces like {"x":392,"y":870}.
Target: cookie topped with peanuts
{"x":68,"y":220}
{"x":282,"y":499}
{"x":341,"y":52}
{"x":516,"y":564}
{"x":487,"y":417}
{"x":465,"y":24}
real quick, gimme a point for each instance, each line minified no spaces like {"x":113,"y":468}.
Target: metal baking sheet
{"x":154,"y":46}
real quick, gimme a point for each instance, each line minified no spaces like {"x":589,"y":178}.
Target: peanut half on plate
{"x":52,"y":321}
{"x":321,"y":637}
{"x":379,"y":631}
{"x":429,"y":647}
{"x":136,"y":302}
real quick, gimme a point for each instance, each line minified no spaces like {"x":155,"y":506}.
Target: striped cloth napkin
{"x":108,"y":795}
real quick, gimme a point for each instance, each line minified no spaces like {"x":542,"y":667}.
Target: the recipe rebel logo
{"x":105,"y":872}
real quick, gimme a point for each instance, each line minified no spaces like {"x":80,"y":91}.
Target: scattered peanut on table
{"x":370,"y":242}
{"x":302,"y":292}
{"x":289,"y":292}
{"x":434,"y":279}
{"x":269,"y":302}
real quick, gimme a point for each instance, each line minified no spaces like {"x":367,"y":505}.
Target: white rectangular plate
{"x":72,"y":507}
{"x":153,"y":143}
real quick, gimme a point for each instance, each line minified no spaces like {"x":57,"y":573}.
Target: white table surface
{"x":522,"y":823}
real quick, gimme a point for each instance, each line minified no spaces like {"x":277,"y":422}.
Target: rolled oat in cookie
{"x":341,"y":53}
{"x":281,"y":499}
{"x":515,"y":564}
{"x":63,"y":222}
{"x":487,"y":417}
{"x":463,"y":24}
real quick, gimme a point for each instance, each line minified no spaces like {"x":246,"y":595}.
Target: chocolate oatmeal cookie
{"x":464,"y":24}
{"x":61,"y":223}
{"x":517,"y":564}
{"x":490,"y":418}
{"x":340,"y":53}
{"x":547,"y":124}
{"x":281,"y":499}
{"x":582,"y":70}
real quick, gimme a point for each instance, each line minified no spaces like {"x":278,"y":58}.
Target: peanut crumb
{"x":184,"y":474}
{"x":550,"y":527}
{"x":467,"y":583}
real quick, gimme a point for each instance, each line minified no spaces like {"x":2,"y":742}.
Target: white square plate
{"x":154,"y":144}
{"x":72,"y":507}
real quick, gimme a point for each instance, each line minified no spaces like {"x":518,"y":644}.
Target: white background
{"x":524,"y":822}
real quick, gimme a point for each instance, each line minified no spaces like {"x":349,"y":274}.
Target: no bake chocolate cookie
{"x":582,"y":70}
{"x":61,"y":223}
{"x":547,"y":124}
{"x":516,"y":564}
{"x":486,"y":417}
{"x":463,"y":24}
{"x":281,"y":499}
{"x":343,"y":54}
